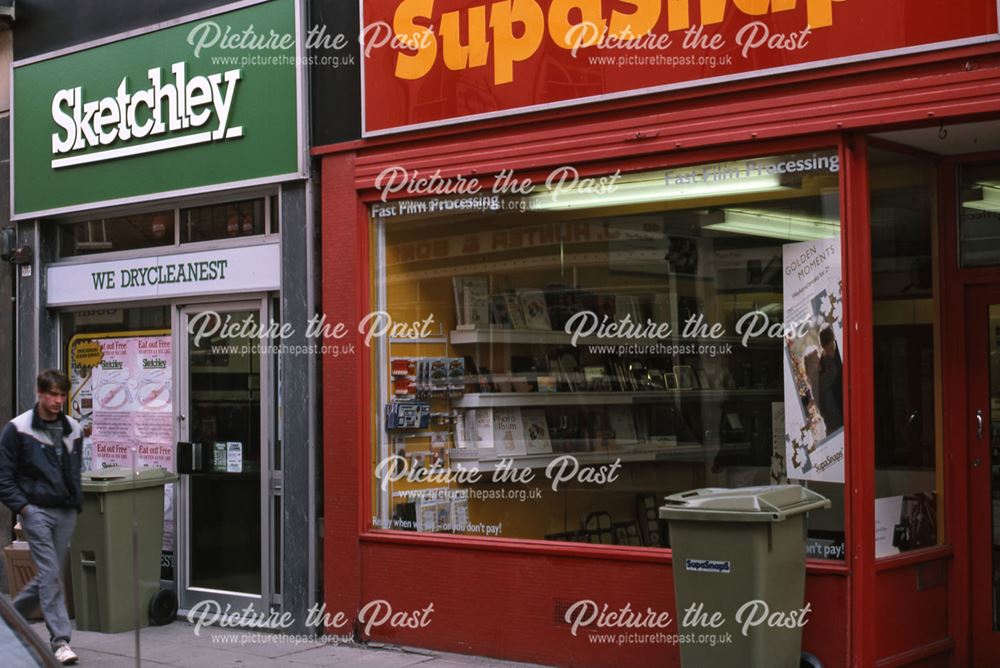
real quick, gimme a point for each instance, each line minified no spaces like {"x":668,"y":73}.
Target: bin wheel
{"x":809,"y":661}
{"x":163,"y":607}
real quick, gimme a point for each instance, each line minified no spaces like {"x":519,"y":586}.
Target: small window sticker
{"x":708,"y":566}
{"x":234,"y":457}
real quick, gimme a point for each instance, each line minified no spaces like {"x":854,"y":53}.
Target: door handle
{"x":979,"y":424}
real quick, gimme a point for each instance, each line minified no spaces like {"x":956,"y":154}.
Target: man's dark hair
{"x":825,"y":335}
{"x":53,"y":379}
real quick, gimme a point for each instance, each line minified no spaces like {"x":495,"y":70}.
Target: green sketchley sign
{"x":162,"y":113}
{"x":168,"y":108}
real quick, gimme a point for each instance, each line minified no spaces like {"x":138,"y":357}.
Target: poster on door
{"x":121,"y":391}
{"x":122,"y":394}
{"x":813,"y":362}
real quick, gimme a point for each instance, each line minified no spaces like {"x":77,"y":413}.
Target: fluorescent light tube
{"x":650,"y":190}
{"x":988,"y":198}
{"x":775,"y":225}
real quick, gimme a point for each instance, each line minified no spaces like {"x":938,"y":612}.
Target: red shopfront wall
{"x":498,"y":597}
{"x":509,"y":604}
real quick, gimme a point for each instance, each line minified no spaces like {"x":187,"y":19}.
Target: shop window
{"x":120,"y":365}
{"x":85,"y":338}
{"x":108,"y":235}
{"x":223,"y":221}
{"x":274,"y":221}
{"x":906,"y":374}
{"x":979,"y":194}
{"x":230,"y":220}
{"x":510,"y":407}
{"x":111,"y":320}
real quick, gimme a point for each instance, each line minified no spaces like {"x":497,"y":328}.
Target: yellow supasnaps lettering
{"x":678,"y":17}
{"x":417,"y":37}
{"x":638,"y":23}
{"x":820,"y":13}
{"x":570,"y":24}
{"x":761,"y":7}
{"x":508,"y":49}
{"x":456,"y":55}
{"x":560,"y":29}
{"x":712,"y":11}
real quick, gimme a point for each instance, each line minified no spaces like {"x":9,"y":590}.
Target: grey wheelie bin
{"x":101,"y":553}
{"x":741,"y":553}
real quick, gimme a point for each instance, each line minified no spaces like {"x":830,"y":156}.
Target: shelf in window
{"x":647,"y":453}
{"x":557,"y":337}
{"x":417,"y":433}
{"x":501,"y":399}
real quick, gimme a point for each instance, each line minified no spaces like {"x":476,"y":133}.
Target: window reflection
{"x":905,"y":332}
{"x":547,"y":361}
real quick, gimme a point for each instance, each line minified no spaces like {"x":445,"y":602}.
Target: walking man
{"x":40,"y":454}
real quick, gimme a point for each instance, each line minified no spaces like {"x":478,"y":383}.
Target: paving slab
{"x":223,"y":659}
{"x":340,"y":655}
{"x":89,"y":657}
{"x":177,"y":645}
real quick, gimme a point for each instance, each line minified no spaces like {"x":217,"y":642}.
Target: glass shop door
{"x":223,"y":457}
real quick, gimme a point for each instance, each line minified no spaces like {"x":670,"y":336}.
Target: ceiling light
{"x":776,"y":225}
{"x":985,"y":197}
{"x":652,"y":188}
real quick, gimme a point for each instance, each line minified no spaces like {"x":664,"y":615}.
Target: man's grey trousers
{"x":48,"y":531}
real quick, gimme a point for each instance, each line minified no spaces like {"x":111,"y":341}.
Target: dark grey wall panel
{"x":8,"y":310}
{"x":298,"y":401}
{"x":336,"y":91}
{"x":49,"y":25}
{"x":8,"y":318}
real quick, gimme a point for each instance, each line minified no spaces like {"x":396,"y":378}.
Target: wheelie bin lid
{"x":769,"y":503}
{"x":120,"y":479}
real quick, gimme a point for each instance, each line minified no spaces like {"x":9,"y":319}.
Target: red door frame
{"x":892,"y":578}
{"x":977,"y":298}
{"x":859,"y":522}
{"x":955,"y":384}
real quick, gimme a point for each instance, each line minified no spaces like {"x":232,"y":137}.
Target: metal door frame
{"x":189,"y":596}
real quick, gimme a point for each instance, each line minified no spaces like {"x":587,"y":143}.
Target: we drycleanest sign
{"x":242,"y":269}
{"x":175,"y":111}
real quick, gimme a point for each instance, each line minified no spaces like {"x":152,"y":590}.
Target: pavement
{"x":177,"y":645}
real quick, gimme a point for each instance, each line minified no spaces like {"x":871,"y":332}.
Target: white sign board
{"x":887,"y":515}
{"x":243,"y":269}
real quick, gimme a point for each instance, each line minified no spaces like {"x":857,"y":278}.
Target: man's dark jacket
{"x":30,"y":469}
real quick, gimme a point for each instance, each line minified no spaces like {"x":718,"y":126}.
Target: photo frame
{"x":596,"y":379}
{"x":534,"y":308}
{"x":685,"y":377}
{"x":654,"y":380}
{"x":670,"y":381}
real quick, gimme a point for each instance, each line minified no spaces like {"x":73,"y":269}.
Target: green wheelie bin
{"x":740,"y":553}
{"x":105,"y":568}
